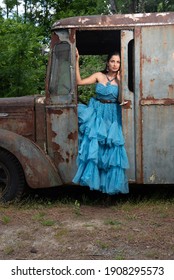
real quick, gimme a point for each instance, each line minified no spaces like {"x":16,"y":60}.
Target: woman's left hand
{"x":118,"y":75}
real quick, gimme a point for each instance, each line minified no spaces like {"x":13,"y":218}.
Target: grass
{"x":48,"y":223}
{"x":112,"y":222}
{"x":61,"y":233}
{"x":140,"y":196}
{"x":101,"y":244}
{"x":41,"y":217}
{"x":120,"y":226}
{"x":8,"y":250}
{"x":77,"y":208}
{"x":5,"y":219}
{"x":120,"y":257}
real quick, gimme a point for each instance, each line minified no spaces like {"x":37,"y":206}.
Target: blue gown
{"x":102,"y":159}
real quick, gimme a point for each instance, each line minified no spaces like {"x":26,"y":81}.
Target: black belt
{"x":106,"y":101}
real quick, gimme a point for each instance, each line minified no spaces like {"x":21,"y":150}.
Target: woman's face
{"x":114,"y":63}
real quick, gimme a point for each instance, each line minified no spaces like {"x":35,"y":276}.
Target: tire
{"x":12,"y":180}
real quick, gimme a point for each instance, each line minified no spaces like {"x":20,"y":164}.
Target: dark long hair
{"x":105,"y":71}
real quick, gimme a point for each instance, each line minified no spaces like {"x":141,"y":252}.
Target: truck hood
{"x":17,"y":114}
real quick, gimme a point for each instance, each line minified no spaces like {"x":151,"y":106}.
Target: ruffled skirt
{"x":102,"y":159}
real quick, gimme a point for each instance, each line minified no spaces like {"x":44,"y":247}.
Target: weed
{"x":77,"y":207}
{"x":112,"y":222}
{"x":5,"y":220}
{"x":152,"y":255}
{"x":120,"y":257}
{"x":61,"y":233}
{"x":48,"y":223}
{"x":39,"y":216}
{"x":8,"y":250}
{"x":101,"y":244}
{"x":89,"y":225}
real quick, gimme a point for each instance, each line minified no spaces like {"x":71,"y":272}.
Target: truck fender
{"x":37,"y":166}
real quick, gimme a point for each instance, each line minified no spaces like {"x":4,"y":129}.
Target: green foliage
{"x":23,"y":33}
{"x":21,"y":62}
{"x":70,"y":8}
{"x":88,"y":65}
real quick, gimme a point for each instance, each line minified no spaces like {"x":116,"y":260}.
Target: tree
{"x":142,"y":6}
{"x":21,"y":62}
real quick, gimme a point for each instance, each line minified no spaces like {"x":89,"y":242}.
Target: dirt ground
{"x":89,"y":226}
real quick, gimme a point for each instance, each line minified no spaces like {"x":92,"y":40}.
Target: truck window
{"x":60,"y":75}
{"x":131,"y":65}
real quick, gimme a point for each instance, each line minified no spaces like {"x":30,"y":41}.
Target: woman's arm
{"x":86,"y":81}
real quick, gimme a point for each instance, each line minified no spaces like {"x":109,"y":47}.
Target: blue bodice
{"x":107,"y":92}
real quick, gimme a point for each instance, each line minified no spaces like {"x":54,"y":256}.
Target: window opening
{"x":131,"y":65}
{"x":60,"y":78}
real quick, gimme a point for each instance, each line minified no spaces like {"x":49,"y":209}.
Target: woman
{"x":102,"y":158}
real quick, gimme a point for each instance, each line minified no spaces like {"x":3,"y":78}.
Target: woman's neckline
{"x":110,"y":80}
{"x":108,"y":84}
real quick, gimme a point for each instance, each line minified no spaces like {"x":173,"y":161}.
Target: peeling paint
{"x":40,"y":100}
{"x":83,"y":20}
{"x":152,"y":177}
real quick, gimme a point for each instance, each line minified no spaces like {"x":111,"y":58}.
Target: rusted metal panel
{"x":62,"y":138}
{"x":138,"y":108}
{"x":158,"y":144}
{"x":61,"y":105}
{"x":116,"y":21}
{"x":38,"y":169}
{"x":128,"y":110}
{"x":153,"y":101}
{"x":158,"y":54}
{"x":18,"y":115}
{"x":40,"y":122}
{"x":157,"y":102}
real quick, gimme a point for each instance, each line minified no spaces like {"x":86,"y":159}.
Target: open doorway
{"x":93,"y":47}
{"x":97,"y":42}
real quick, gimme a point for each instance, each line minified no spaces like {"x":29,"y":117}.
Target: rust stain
{"x":73,"y":135}
{"x":59,"y":112}
{"x":152,"y":82}
{"x":72,"y":36}
{"x":156,"y":60}
{"x":171,"y":90}
{"x":54,"y":39}
{"x":58,"y":155}
{"x":149,"y":97}
{"x":152,"y":101}
{"x":137,"y":32}
{"x":148,"y":59}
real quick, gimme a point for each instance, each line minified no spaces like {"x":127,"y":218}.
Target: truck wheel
{"x":12,"y":179}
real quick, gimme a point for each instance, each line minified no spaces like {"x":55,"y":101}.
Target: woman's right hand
{"x":77,"y":54}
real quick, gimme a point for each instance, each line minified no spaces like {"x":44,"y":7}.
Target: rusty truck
{"x":39,"y":134}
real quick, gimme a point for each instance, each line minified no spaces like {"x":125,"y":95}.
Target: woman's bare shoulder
{"x":100,"y":76}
